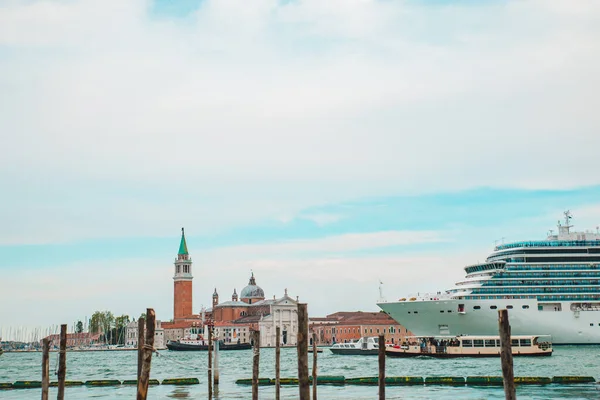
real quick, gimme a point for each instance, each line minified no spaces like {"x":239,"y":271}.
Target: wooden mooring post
{"x":45,"y":368}
{"x":255,"y":364}
{"x":210,"y":388}
{"x":381,"y":367}
{"x":277,"y":361}
{"x":142,"y":388}
{"x":62,"y":362}
{"x":506,"y":356}
{"x":140,"y":346}
{"x":303,"y":384}
{"x":314,"y":369}
{"x":216,"y":363}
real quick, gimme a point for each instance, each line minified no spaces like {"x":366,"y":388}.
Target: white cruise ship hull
{"x":425,"y":318}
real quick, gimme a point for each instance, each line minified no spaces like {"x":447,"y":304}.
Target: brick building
{"x":343,"y":327}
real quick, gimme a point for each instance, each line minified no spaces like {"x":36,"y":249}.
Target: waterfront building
{"x":131,"y":335}
{"x":344,"y":327}
{"x":252,"y":312}
{"x":84,"y":339}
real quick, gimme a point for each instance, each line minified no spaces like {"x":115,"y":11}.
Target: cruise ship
{"x":549,"y":286}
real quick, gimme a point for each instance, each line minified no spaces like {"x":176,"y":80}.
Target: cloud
{"x":326,"y":99}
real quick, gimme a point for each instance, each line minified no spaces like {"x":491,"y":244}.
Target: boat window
{"x":490,"y":343}
{"x":467,"y":343}
{"x":497,"y":342}
{"x":525,"y":307}
{"x":493,"y":307}
{"x":514,"y":342}
{"x":478,"y":343}
{"x":509,"y":307}
{"x":476,"y":307}
{"x":525,"y":342}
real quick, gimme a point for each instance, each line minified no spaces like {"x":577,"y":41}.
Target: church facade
{"x":235,"y":319}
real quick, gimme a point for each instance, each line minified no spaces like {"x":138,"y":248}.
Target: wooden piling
{"x":45,"y":368}
{"x":216,"y":363}
{"x":314,"y":370}
{"x":381,"y":367}
{"x":142,"y":388}
{"x":255,"y":364}
{"x":506,"y":356}
{"x":302,"y":336}
{"x":277,"y":361}
{"x":62,"y":362}
{"x":210,"y":388}
{"x":141,"y":325}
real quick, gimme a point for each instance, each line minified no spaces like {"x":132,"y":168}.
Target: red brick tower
{"x":182,"y":302}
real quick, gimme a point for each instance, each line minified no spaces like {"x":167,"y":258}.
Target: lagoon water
{"x":82,"y":366}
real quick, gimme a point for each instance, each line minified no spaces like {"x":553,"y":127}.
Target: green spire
{"x":182,"y":246}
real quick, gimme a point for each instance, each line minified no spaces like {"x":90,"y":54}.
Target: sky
{"x":326,"y":146}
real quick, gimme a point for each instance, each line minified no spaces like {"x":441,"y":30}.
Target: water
{"x":82,"y":366}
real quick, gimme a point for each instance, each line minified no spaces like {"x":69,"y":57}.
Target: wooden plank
{"x":303,"y":384}
{"x":314,"y":370}
{"x":141,"y":326}
{"x":255,"y":364}
{"x":210,"y":388}
{"x":506,"y":356}
{"x":381,"y":367}
{"x":142,"y":389}
{"x":45,"y":368}
{"x":62,"y":362}
{"x":277,"y":361}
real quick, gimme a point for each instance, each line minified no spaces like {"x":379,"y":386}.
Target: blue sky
{"x":322,"y":144}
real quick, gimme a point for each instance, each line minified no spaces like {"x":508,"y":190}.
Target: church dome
{"x":252,"y":291}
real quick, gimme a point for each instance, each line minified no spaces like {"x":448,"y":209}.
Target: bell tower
{"x":182,"y":301}
{"x":215,"y":298}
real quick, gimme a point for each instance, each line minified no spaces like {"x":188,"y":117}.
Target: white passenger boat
{"x":363,"y":346}
{"x":470,"y":346}
{"x":550,"y":286}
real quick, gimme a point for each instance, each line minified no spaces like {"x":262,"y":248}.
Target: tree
{"x":120,"y":326}
{"x":102,"y":322}
{"x":79,"y":327}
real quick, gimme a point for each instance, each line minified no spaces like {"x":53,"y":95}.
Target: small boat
{"x":202,"y":345}
{"x":470,"y":346}
{"x":363,"y":346}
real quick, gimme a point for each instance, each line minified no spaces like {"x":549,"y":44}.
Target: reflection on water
{"x":180,"y":393}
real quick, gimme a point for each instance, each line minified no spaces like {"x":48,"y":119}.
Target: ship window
{"x":525,"y":307}
{"x":476,"y":307}
{"x":493,"y":307}
{"x":490,"y":343}
{"x":478,"y":343}
{"x":525,"y":342}
{"x":467,"y":343}
{"x":509,"y":307}
{"x":514,"y":342}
